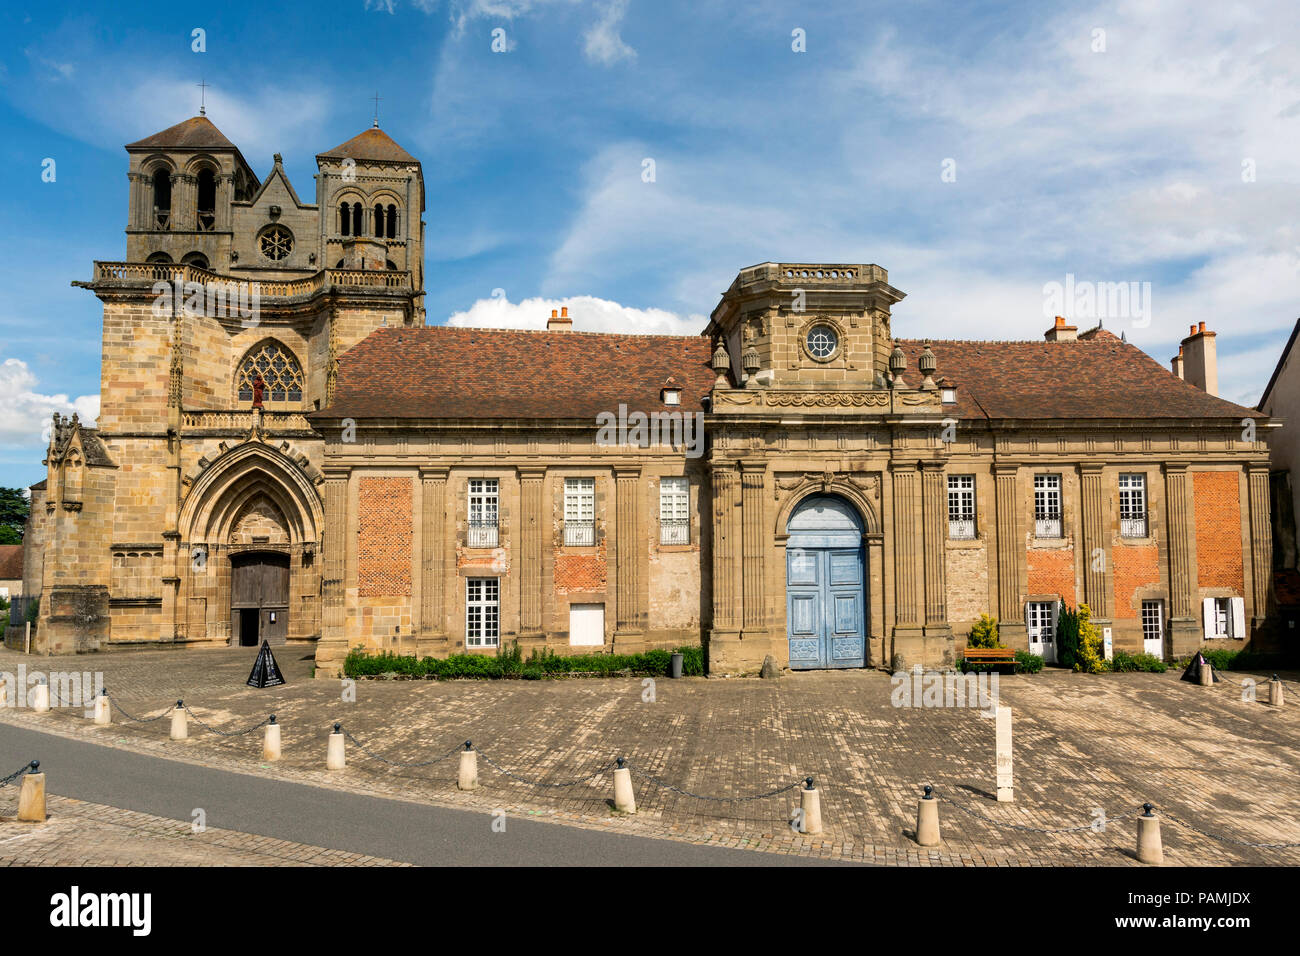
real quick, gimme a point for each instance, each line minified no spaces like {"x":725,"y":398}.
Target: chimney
{"x":1177,"y":363}
{"x":1061,"y":332}
{"x":561,"y":322}
{"x":1200,"y":359}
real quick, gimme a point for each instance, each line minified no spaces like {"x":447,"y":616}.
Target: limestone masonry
{"x":286,"y":451}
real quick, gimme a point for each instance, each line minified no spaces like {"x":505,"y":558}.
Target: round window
{"x":276,"y":243}
{"x":822,"y":341}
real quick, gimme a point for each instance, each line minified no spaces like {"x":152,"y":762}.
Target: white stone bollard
{"x":40,"y":698}
{"x":624,"y":798}
{"x":1275,"y":695}
{"x":810,"y":803}
{"x":335,"y":757}
{"x":1150,"y":849}
{"x":271,"y":742}
{"x":4,"y":693}
{"x":1207,"y":674}
{"x":103,"y":713}
{"x":1002,"y":731}
{"x":927,"y":819}
{"x":31,"y":796}
{"x":467,"y":773}
{"x":180,"y":726}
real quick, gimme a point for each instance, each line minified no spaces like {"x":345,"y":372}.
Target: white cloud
{"x":25,"y":414}
{"x":589,"y":314}
{"x":602,"y":43}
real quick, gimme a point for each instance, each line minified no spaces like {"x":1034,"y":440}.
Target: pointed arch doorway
{"x":825,"y":585}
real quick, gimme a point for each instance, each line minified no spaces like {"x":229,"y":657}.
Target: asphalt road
{"x":393,"y":829}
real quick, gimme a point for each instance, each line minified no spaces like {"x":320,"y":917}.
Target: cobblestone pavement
{"x":1203,"y":756}
{"x":77,"y":833}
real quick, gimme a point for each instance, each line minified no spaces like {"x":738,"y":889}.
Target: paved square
{"x":1203,"y":756}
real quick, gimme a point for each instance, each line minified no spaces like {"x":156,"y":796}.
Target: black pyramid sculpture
{"x":266,"y":673}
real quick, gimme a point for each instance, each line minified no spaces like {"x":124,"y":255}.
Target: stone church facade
{"x":313,"y":464}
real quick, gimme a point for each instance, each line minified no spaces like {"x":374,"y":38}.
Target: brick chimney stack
{"x":1177,"y":363}
{"x":1200,"y":359}
{"x":561,"y":322}
{"x":1061,"y":332}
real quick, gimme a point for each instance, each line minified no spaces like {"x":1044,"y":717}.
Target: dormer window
{"x":672,"y":396}
{"x":948,"y":395}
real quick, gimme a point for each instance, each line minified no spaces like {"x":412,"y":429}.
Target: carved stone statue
{"x":259,"y":388}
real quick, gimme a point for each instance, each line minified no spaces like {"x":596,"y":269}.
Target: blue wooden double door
{"x":825,"y":586}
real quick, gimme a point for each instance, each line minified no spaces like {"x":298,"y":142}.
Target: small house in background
{"x":11,"y":571}
{"x":1281,"y":400}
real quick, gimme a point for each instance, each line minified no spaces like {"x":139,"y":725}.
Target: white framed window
{"x":482,"y":612}
{"x":1153,"y":627}
{"x":1225,"y":618}
{"x":961,"y":506}
{"x":674,"y":511}
{"x":1040,"y":623}
{"x":484,"y":498}
{"x":1047,"y":506}
{"x":1133,"y":506}
{"x":580,"y":512}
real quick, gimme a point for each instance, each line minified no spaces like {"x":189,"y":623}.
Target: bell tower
{"x":183,"y":182}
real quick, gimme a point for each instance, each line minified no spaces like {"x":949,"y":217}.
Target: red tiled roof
{"x":374,"y":144}
{"x":197,"y":132}
{"x":11,"y":562}
{"x":446,"y":372}
{"x":1093,"y":378}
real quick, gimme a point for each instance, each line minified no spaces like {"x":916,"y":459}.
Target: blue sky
{"x":1164,"y":149}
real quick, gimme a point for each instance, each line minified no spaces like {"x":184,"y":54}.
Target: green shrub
{"x":1067,"y":637}
{"x":34,"y":609}
{"x":1029,"y":663}
{"x":984,"y":633}
{"x":509,"y":663}
{"x":1123,"y":661}
{"x":692,"y":661}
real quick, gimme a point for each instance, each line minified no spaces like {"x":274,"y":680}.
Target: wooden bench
{"x":991,"y":655}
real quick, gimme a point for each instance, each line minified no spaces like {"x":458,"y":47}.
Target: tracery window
{"x":279,"y":370}
{"x":276,"y":243}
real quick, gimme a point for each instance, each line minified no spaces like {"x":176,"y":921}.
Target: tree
{"x":14,"y":507}
{"x":984,"y":633}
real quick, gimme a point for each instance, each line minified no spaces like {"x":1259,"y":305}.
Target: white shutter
{"x":1208,"y":606}
{"x":1239,"y":618}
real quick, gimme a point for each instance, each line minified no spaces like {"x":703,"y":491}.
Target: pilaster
{"x":1011,"y":555}
{"x":630,"y":620}
{"x":431,"y":636}
{"x":1184,"y":620}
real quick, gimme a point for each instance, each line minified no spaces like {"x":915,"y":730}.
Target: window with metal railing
{"x":961,"y":506}
{"x":580,"y":512}
{"x":1047,"y":506}
{"x":483,"y":504}
{"x":674,"y":511}
{"x":1132,"y":506}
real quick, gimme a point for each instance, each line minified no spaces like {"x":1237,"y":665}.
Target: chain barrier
{"x":1023,"y":826}
{"x":25,"y":768}
{"x":700,"y":796}
{"x":1092,"y":826}
{"x":1227,"y":839}
{"x":396,"y":763}
{"x":539,"y":783}
{"x":125,"y":713}
{"x":223,"y":733}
